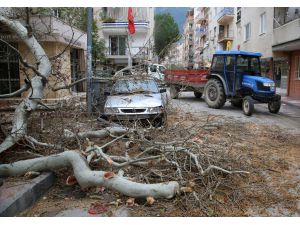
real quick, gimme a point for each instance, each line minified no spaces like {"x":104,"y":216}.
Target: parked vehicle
{"x":186,"y":80}
{"x":236,"y":76}
{"x":157,"y":71}
{"x":134,"y":98}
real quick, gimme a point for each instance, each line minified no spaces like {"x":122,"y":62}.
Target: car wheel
{"x":214,"y":94}
{"x":274,"y":107}
{"x":248,"y":105}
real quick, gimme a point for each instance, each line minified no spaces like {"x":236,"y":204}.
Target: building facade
{"x":57,"y":38}
{"x":124,"y":48}
{"x":188,"y":40}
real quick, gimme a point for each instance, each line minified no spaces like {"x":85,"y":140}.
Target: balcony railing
{"x":225,"y":36}
{"x":283,"y":16}
{"x":226,"y":14}
{"x":201,"y":31}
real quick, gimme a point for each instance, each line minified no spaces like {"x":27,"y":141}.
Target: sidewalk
{"x":291,"y":101}
{"x":286,"y":99}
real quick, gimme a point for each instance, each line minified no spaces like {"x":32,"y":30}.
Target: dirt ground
{"x":269,"y":153}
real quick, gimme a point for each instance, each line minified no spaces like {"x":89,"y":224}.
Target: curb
{"x":17,"y":198}
{"x":291,"y":104}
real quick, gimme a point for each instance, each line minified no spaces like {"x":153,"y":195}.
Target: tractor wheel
{"x":236,"y":103}
{"x":197,"y":94}
{"x":274,"y":107}
{"x":174,"y":91}
{"x":214,"y":94}
{"x":248,"y":105}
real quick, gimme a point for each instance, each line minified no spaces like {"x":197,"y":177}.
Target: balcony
{"x":225,"y":15}
{"x":201,"y":31}
{"x":286,"y":37}
{"x":225,"y":36}
{"x":200,"y":18}
{"x":121,"y":27}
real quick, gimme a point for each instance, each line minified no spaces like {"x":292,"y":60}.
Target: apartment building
{"x":124,"y":48}
{"x":200,"y":35}
{"x":188,"y":40}
{"x":174,"y":58}
{"x":56,"y":37}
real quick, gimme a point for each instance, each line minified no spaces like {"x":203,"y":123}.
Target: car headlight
{"x":111,"y":110}
{"x":269,"y":84}
{"x":155,"y":109}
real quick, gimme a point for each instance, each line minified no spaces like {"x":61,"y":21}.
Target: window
{"x":134,"y":86}
{"x":247,"y":32}
{"x":190,"y":25}
{"x":297,"y":67}
{"x":218,"y":63}
{"x":239,"y":14}
{"x":117,"y":45}
{"x":262,"y":27}
{"x":9,"y":69}
{"x":248,"y":64}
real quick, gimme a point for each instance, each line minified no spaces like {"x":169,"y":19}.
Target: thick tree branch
{"x":20,"y":91}
{"x":88,"y":178}
{"x":68,"y":86}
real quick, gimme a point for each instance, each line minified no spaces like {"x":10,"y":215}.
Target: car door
{"x":229,"y":68}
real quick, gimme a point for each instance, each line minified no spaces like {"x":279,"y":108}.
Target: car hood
{"x":257,"y":78}
{"x":134,"y":101}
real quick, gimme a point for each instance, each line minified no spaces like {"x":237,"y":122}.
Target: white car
{"x":136,"y":99}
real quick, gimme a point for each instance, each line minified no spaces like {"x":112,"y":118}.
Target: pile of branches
{"x":138,"y":161}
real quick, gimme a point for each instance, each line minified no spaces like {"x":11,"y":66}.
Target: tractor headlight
{"x":269,"y":84}
{"x":111,"y":110}
{"x":155,"y":109}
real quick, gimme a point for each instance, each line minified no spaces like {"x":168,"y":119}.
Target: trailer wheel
{"x":174,"y":91}
{"x":274,"y":107}
{"x":248,"y":105}
{"x":197,"y":94}
{"x":214,"y":94}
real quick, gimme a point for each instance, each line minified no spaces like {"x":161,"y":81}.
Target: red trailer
{"x":186,"y":80}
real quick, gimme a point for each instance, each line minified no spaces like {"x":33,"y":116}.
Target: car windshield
{"x":248,"y":65}
{"x":134,"y":86}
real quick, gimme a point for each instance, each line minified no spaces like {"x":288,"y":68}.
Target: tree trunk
{"x":30,"y":103}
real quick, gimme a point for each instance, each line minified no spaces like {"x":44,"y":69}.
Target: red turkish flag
{"x":131,"y":27}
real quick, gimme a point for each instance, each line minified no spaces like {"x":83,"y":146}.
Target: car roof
{"x":234,"y":52}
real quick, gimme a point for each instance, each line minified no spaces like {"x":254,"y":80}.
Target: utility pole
{"x":89,"y":59}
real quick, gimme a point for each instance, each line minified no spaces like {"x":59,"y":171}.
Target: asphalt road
{"x":288,"y":117}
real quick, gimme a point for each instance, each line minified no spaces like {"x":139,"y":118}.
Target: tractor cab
{"x":235,"y":75}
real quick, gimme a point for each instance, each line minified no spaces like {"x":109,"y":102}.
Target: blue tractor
{"x":236,"y":76}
